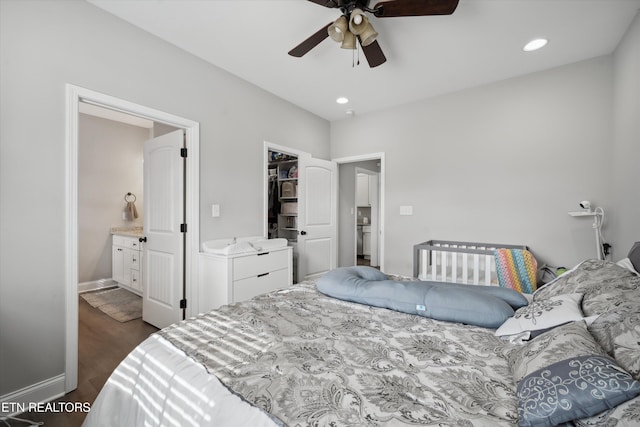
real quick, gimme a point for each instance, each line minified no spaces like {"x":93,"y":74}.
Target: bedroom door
{"x":317,"y":216}
{"x":164,"y":216}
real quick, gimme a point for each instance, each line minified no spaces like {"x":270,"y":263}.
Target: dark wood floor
{"x":102,"y":344}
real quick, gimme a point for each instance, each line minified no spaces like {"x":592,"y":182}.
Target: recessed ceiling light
{"x":535,"y":44}
{"x":342,"y":100}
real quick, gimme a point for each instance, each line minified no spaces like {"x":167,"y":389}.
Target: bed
{"x":298,"y":357}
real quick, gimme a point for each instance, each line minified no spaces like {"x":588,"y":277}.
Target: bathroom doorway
{"x":75,"y":97}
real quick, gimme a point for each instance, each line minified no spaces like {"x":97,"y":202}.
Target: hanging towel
{"x":516,"y":269}
{"x":131,"y":208}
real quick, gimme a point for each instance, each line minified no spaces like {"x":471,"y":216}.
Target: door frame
{"x":381,"y":198}
{"x":75,"y":95}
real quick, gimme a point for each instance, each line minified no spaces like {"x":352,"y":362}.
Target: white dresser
{"x":126,"y":262}
{"x":224,"y":279}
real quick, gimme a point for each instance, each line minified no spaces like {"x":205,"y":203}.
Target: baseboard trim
{"x":95,"y":285}
{"x":44,"y":391}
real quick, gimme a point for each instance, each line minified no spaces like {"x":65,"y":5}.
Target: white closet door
{"x":317,"y":212}
{"x":163,"y":215}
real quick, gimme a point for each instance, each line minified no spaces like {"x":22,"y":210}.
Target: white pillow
{"x":626,"y":263}
{"x":543,"y":314}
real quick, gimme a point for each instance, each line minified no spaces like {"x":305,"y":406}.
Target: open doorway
{"x":361,"y":210}
{"x":75,"y":96}
{"x":367,"y":209}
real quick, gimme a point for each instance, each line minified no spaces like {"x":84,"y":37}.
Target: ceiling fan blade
{"x":326,"y":3}
{"x":389,"y":9}
{"x":311,"y":42}
{"x":373,"y":53}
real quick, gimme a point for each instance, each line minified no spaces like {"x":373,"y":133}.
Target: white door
{"x":317,"y":216}
{"x":163,"y":262}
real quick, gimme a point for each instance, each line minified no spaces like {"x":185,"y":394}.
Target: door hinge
{"x":183,"y":228}
{"x":183,"y":152}
{"x":183,"y":303}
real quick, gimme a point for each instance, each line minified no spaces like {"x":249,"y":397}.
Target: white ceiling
{"x":426,"y":56}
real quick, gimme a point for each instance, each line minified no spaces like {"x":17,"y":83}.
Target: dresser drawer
{"x":252,"y":265}
{"x":118,"y":240}
{"x":133,"y":243}
{"x":133,"y":257}
{"x":250,"y":287}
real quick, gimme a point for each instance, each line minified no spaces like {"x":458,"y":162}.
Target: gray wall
{"x":625,"y":217}
{"x":500,"y":163}
{"x":109,"y":166}
{"x":43,"y":46}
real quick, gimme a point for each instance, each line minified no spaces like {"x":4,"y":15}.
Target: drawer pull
{"x":263,"y":274}
{"x":263,"y":253}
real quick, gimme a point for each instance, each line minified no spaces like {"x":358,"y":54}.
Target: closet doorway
{"x":190,"y":142}
{"x":300,"y":204}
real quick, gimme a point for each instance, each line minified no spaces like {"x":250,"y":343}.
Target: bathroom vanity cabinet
{"x":126,"y":262}
{"x":225,"y":279}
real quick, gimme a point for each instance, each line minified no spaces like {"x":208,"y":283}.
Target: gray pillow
{"x":634,"y":256}
{"x":569,"y":340}
{"x":563,"y":375}
{"x":468,"y":304}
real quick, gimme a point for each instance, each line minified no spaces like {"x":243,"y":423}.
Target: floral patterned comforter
{"x":311,"y":360}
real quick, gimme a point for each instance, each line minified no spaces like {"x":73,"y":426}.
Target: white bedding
{"x":172,"y":388}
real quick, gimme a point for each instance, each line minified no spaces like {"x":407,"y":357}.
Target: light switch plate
{"x":406,"y":210}
{"x":215,"y":210}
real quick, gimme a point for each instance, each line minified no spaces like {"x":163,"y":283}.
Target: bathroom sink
{"x":241,"y":245}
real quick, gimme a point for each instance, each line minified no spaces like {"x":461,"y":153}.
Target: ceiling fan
{"x":353,"y":25}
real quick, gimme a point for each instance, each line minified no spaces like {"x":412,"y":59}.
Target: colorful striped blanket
{"x":516,"y":269}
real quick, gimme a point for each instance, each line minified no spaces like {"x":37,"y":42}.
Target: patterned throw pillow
{"x":569,"y":340}
{"x":543,"y":314}
{"x":564,"y":375}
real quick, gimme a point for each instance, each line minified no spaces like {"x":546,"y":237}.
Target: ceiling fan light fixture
{"x":349,"y":41}
{"x":338,"y":29}
{"x":368,"y":36}
{"x":358,"y":21}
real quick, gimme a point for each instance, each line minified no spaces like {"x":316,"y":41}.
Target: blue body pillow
{"x":485,"y":306}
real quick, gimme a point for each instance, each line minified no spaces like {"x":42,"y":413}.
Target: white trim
{"x":94,"y":285}
{"x":44,"y":391}
{"x":374,"y":156}
{"x":74,"y":95}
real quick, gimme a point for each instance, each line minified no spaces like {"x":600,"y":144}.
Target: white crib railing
{"x":457,"y":262}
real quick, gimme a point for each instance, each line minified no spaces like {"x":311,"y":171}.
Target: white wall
{"x":45,"y":45}
{"x":625,"y":215}
{"x":501,"y":163}
{"x":109,"y":166}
